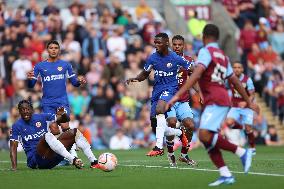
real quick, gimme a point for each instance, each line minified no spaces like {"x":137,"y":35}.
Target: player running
{"x":181,"y":110}
{"x":42,"y":148}
{"x":166,"y":64}
{"x":212,"y":69}
{"x":239,"y":116}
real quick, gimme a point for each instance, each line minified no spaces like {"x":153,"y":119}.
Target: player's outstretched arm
{"x":140,"y":77}
{"x":238,"y":86}
{"x":195,"y":76}
{"x":13,"y":154}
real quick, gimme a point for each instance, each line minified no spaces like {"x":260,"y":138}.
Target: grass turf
{"x":135,"y":170}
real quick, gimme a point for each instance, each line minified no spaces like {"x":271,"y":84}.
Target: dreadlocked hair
{"x":29,"y":102}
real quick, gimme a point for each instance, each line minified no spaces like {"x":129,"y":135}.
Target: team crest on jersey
{"x":59,"y":68}
{"x":169,"y":65}
{"x":38,"y":124}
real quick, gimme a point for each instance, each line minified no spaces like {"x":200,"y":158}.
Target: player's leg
{"x":172,"y":121}
{"x":153,"y":116}
{"x":50,"y":148}
{"x":233,"y":119}
{"x":185,"y":114}
{"x":247,"y":116}
{"x":211,"y":120}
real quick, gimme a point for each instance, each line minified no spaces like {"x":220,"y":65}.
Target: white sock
{"x":224,"y":171}
{"x":170,"y":154}
{"x":240,"y":152}
{"x":73,"y":150}
{"x":172,"y":131}
{"x":160,"y":130}
{"x":57,"y":146}
{"x":82,"y":143}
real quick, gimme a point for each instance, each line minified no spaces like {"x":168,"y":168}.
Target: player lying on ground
{"x":181,"y":110}
{"x":42,"y":148}
{"x":239,"y":116}
{"x":165,"y":64}
{"x":211,"y":71}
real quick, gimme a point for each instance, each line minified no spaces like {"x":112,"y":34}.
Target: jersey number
{"x":219,"y":74}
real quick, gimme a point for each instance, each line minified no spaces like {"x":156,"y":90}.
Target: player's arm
{"x":140,"y":77}
{"x":241,"y":90}
{"x":14,"y":140}
{"x":33,"y":76}
{"x":75,"y":80}
{"x":13,"y":154}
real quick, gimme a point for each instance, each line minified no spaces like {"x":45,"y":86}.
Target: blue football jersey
{"x":166,"y":69}
{"x":54,"y":77}
{"x":29,"y":133}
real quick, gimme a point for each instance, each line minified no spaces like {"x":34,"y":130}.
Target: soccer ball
{"x":108,"y":161}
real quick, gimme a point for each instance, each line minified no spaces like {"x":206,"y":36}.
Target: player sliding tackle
{"x":212,"y":69}
{"x":239,"y":116}
{"x":166,"y":64}
{"x":42,"y":148}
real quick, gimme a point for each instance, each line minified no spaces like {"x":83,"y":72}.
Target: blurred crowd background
{"x":108,"y":43}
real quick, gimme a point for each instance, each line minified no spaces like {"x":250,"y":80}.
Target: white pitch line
{"x":180,"y":168}
{"x":198,"y":169}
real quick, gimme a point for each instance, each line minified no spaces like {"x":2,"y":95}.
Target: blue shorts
{"x":35,"y":161}
{"x":165,"y":95}
{"x":212,"y":117}
{"x":52,"y":108}
{"x":180,"y":110}
{"x":243,"y":116}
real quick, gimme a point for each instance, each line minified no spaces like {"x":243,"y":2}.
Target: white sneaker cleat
{"x":172,"y":160}
{"x":223,"y":180}
{"x":246,"y":160}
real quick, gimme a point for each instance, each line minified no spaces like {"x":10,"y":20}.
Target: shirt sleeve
{"x":229,"y":70}
{"x":15,"y":133}
{"x":32,"y":82}
{"x":72,"y":76}
{"x":250,"y":85}
{"x":148,"y":65}
{"x":185,"y":63}
{"x":204,"y":57}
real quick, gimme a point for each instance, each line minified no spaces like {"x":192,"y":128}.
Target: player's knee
{"x":160,"y":108}
{"x":54,"y":129}
{"x":154,"y":124}
{"x":172,"y":122}
{"x":204,"y":136}
{"x":230,"y":122}
{"x":248,"y":129}
{"x":188,"y":123}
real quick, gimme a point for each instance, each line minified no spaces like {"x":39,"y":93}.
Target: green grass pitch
{"x":136,"y":171}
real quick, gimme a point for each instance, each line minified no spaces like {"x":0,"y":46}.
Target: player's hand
{"x":254,"y":107}
{"x":201,"y":99}
{"x":172,"y":102}
{"x":60,"y":111}
{"x":30,"y":75}
{"x":130,"y":80}
{"x":82,"y":80}
{"x":242,"y":104}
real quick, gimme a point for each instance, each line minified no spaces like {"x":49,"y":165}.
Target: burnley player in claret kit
{"x":42,"y":148}
{"x":181,"y":111}
{"x":211,"y":70}
{"x":165,"y":64}
{"x":239,"y":116}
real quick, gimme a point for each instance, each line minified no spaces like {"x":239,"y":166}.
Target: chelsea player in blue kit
{"x":54,"y":74}
{"x":42,"y":148}
{"x":166,"y":65}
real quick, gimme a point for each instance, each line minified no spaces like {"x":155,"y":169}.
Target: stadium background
{"x":108,"y":41}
